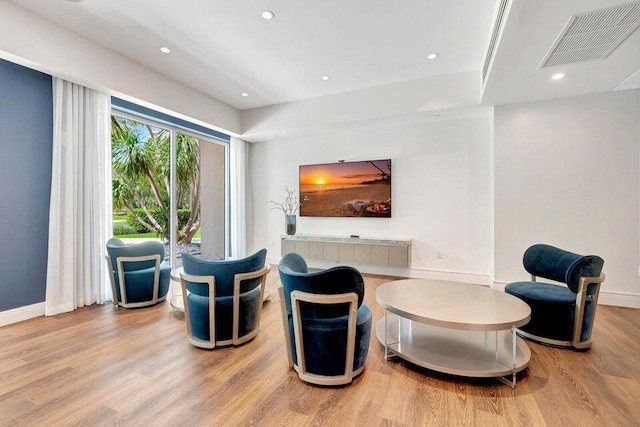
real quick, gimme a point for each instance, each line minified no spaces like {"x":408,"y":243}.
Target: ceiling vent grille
{"x":593,"y":35}
{"x":495,"y":34}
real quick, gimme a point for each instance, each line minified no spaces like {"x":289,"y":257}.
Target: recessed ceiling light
{"x":245,"y":94}
{"x":74,"y":1}
{"x":558,"y":76}
{"x":325,"y":78}
{"x":267,"y":14}
{"x":432,"y":56}
{"x":164,"y":49}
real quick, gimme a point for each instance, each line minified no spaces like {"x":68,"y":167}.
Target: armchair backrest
{"x":557,"y":264}
{"x":117,"y":248}
{"x":224,"y":272}
{"x":295,"y":276}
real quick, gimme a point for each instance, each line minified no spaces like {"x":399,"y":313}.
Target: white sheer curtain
{"x":80,"y":210}
{"x":239,"y":190}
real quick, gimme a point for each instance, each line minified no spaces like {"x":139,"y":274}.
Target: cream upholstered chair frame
{"x":211,"y":281}
{"x":581,"y":296}
{"x":298,"y":296}
{"x":123,"y":286}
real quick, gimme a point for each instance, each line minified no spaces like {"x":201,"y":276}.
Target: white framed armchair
{"x":223,"y":299}
{"x":562,"y":314}
{"x":138,"y":276}
{"x":327,"y":327}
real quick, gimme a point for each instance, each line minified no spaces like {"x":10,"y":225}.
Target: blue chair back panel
{"x":294,"y":275}
{"x":199,"y":314}
{"x":325,"y":342}
{"x":117,"y":248}
{"x":224,"y":272}
{"x":557,"y":264}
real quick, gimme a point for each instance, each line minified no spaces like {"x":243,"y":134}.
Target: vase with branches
{"x":289,"y":206}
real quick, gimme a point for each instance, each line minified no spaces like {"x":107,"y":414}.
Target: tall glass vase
{"x":290,"y":224}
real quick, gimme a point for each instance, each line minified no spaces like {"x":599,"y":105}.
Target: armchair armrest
{"x":588,"y":286}
{"x":211,"y":282}
{"x":237,"y":280}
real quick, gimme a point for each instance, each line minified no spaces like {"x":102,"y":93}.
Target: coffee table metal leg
{"x":387,"y":352}
{"x":514,"y":337}
{"x":514,"y":341}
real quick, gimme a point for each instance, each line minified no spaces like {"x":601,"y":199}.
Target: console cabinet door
{"x":287,"y":246}
{"x":316,"y":250}
{"x":380,"y":255}
{"x":302,"y":249}
{"x":331,"y":252}
{"x":362,"y":254}
{"x":346,"y":253}
{"x":398,"y":256}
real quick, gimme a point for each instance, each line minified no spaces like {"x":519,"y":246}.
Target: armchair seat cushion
{"x":325,"y":341}
{"x":543,"y":292}
{"x":138,"y":289}
{"x":552,"y":309}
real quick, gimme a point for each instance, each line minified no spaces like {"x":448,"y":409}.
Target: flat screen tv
{"x":346,"y":189}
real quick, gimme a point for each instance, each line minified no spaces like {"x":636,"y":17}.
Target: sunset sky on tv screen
{"x":342,"y":173}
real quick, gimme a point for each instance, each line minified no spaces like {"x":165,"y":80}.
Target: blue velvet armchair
{"x":138,"y":276}
{"x":223,"y":299}
{"x":562,"y":316}
{"x":326,"y":325}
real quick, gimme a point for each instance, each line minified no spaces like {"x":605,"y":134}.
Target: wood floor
{"x":105,"y":366}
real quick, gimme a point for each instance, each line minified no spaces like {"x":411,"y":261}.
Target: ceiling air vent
{"x":593,"y":35}
{"x":495,"y":34}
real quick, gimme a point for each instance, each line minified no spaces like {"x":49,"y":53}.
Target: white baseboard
{"x":19,"y":314}
{"x":618,"y":299}
{"x":499,"y":285}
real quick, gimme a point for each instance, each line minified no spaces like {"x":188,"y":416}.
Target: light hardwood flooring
{"x":104,"y":366}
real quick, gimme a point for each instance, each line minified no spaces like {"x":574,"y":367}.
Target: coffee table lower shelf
{"x":479,"y":354}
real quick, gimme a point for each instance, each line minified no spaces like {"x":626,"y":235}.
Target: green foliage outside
{"x":120,"y":228}
{"x":183,"y":218}
{"x":140,"y":159}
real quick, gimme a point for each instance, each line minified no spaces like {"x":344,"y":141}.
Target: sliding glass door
{"x":169,"y":184}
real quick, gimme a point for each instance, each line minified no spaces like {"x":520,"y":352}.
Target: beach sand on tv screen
{"x":365,"y":200}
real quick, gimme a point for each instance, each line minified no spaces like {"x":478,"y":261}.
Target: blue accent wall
{"x":26,"y":141}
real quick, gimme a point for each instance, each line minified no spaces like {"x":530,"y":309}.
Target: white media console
{"x":350,"y":250}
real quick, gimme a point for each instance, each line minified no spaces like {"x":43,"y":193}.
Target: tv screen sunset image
{"x":348,"y":189}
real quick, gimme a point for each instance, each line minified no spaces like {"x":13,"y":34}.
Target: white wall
{"x":567,"y":174}
{"x":440,"y":191}
{"x":32,"y":41}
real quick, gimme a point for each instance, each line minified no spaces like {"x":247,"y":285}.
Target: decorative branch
{"x":289,"y":205}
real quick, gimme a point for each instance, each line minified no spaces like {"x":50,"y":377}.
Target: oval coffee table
{"x":454,"y":328}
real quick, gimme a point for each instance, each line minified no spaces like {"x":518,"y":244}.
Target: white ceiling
{"x":530,"y":30}
{"x":223,"y":47}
